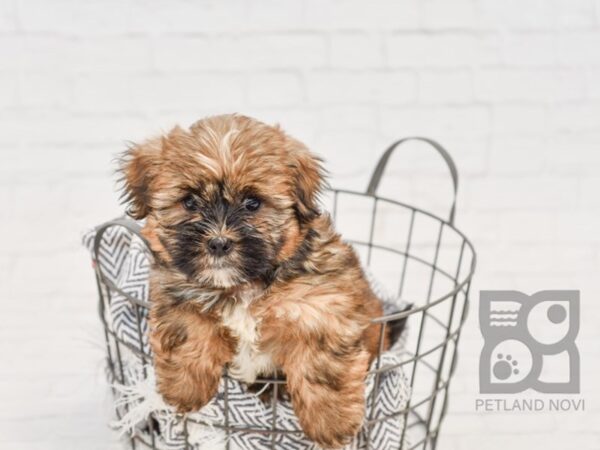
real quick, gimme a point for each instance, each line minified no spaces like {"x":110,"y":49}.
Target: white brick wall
{"x":511,"y":87}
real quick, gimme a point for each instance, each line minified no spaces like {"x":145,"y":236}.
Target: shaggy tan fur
{"x":287,"y":292}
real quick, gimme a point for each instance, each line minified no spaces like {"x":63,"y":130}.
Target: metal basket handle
{"x":379,"y":169}
{"x":124,"y":222}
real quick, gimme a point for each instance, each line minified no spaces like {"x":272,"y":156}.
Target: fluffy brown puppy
{"x":249,"y":274}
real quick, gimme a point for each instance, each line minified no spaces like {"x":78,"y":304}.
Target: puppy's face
{"x":226,"y":201}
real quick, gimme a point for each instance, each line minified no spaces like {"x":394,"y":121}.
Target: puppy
{"x":248,"y":274}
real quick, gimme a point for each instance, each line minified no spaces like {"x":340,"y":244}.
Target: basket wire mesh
{"x":438,"y":265}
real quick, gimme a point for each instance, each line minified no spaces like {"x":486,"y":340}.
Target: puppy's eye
{"x":189,"y":203}
{"x":251,"y":203}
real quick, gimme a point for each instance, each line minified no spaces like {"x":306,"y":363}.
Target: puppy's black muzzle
{"x":219,"y":246}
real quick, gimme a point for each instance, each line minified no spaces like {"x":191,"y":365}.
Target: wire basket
{"x":419,"y":255}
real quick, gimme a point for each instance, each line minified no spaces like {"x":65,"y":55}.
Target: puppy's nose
{"x":219,"y":246}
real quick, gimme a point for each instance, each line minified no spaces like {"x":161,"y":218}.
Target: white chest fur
{"x":249,"y":362}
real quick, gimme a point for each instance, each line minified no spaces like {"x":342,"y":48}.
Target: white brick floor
{"x":511,"y":87}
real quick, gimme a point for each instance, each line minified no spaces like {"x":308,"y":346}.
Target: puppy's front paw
{"x":332,"y":433}
{"x":330,"y":417}
{"x":329,"y":400}
{"x":189,"y":355}
{"x":187,"y":393}
{"x":184,"y":405}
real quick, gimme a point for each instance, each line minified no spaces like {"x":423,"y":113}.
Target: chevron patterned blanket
{"x":124,"y":262}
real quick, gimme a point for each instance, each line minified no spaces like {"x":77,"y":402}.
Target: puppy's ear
{"x":138,"y":165}
{"x":309,"y":177}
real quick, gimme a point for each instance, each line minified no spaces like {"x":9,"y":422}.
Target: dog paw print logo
{"x":529,"y":342}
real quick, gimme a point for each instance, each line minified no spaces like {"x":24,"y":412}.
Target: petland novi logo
{"x":529,"y":343}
